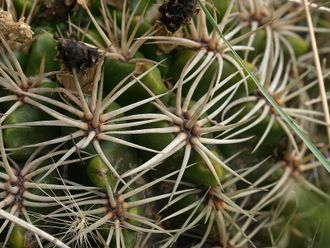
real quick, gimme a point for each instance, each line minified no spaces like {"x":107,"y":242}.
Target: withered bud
{"x":175,"y":13}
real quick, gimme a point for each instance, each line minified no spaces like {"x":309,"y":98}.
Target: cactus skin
{"x":15,"y":138}
{"x":95,"y":166}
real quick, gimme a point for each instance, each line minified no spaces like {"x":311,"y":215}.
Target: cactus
{"x":145,"y":123}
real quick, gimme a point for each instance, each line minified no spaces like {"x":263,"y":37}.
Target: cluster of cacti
{"x":133,"y":123}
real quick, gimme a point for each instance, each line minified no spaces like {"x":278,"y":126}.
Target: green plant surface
{"x":164,"y":123}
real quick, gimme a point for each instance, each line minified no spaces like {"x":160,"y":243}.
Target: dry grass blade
{"x":318,"y":67}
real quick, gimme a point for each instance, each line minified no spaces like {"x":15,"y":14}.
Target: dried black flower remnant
{"x":76,"y":55}
{"x":57,"y":10}
{"x":175,"y":13}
